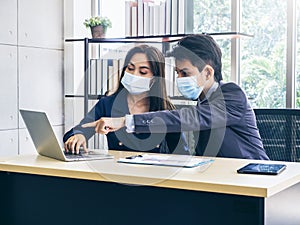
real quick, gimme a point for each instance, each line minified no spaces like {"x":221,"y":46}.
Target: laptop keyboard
{"x":86,"y":155}
{"x":70,"y":155}
{"x":74,"y":156}
{"x":82,"y":154}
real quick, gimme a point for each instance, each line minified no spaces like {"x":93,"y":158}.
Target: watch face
{"x":260,"y":168}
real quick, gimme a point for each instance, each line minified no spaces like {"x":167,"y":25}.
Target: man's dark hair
{"x":200,"y":50}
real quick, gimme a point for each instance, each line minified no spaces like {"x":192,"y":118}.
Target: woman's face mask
{"x":136,"y":84}
{"x":188,"y":87}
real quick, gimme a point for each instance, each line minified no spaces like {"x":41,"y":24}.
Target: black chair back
{"x":280,"y":133}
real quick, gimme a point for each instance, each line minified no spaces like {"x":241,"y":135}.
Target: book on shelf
{"x":185,"y":20}
{"x":93,"y":77}
{"x":128,"y":17}
{"x":165,"y":17}
{"x":99,"y":77}
{"x":146,"y":18}
{"x":104,"y":75}
{"x":156,"y":20}
{"x":151,"y":19}
{"x":168,"y":11}
{"x":110,"y":77}
{"x":140,"y":18}
{"x":174,"y":17}
{"x":162,"y":18}
{"x":113,"y":75}
{"x":134,"y":21}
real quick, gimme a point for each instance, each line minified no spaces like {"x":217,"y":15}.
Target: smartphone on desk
{"x":262,"y":168}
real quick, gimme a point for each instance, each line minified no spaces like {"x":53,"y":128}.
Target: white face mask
{"x":136,"y":84}
{"x":188,"y":87}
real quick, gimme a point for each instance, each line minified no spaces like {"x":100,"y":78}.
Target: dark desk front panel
{"x":42,"y":200}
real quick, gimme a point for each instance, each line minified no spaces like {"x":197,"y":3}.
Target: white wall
{"x":31,"y":68}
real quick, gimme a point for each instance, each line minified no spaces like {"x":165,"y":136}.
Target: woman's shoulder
{"x":117,"y":99}
{"x":106,"y":101}
{"x":109,"y":98}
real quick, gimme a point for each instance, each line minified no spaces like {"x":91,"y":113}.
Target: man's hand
{"x":106,"y":124}
{"x":74,"y":143}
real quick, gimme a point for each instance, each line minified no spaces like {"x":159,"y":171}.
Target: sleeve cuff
{"x":129,"y":123}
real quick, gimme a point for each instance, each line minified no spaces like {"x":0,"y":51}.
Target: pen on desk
{"x":133,"y":157}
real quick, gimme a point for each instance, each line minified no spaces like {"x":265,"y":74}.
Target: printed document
{"x":166,"y":160}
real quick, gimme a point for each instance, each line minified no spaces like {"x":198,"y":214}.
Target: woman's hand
{"x":74,"y":143}
{"x":106,"y":124}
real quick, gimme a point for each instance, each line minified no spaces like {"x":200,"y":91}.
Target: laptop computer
{"x":46,"y":142}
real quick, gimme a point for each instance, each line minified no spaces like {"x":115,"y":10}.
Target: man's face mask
{"x":188,"y":87}
{"x":136,"y":84}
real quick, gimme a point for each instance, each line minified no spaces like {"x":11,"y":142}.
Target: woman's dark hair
{"x":200,"y":50}
{"x":157,"y":94}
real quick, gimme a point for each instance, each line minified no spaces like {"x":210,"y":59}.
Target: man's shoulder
{"x":230,"y":91}
{"x":229,"y":86}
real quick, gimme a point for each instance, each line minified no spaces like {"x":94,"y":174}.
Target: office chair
{"x":280,"y":133}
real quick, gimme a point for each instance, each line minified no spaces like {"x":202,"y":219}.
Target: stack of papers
{"x":166,"y":160}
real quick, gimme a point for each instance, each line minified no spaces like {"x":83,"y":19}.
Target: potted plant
{"x":98,"y":26}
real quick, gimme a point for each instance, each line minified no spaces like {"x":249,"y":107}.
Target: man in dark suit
{"x":223,"y":121}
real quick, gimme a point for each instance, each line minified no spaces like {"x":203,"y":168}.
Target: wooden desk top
{"x":219,"y":177}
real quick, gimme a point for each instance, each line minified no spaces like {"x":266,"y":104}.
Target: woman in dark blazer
{"x":142,"y":88}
